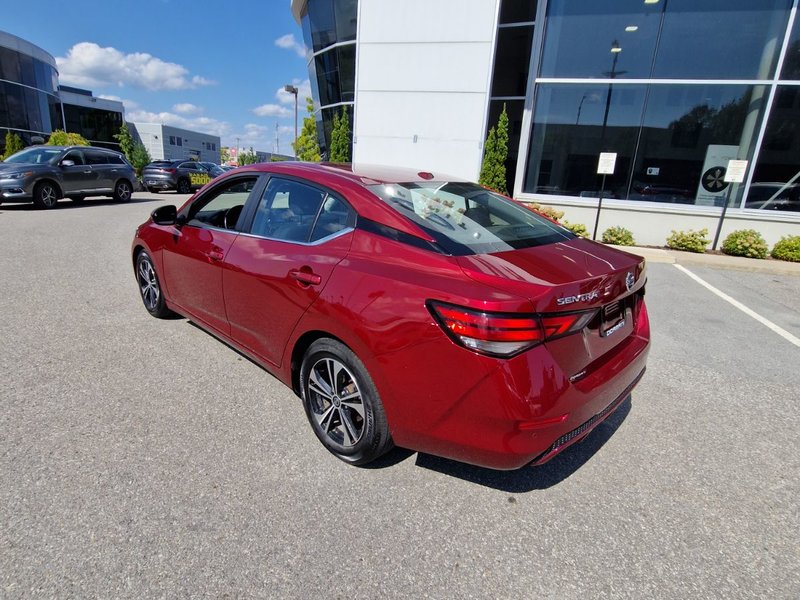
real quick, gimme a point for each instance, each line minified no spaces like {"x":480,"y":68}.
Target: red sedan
{"x":404,"y":308}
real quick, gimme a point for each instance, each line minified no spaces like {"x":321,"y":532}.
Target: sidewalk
{"x":722,"y":261}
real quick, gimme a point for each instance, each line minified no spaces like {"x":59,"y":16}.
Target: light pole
{"x":293,"y":90}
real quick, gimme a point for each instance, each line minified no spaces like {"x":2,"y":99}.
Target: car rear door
{"x":276,"y":269}
{"x":194,"y":255}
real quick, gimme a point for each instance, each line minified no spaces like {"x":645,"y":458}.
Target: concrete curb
{"x":722,"y":261}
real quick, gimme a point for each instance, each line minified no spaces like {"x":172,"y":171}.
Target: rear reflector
{"x":504,"y":334}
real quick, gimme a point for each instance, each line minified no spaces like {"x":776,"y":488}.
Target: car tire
{"x":342,"y":403}
{"x":150,"y":287}
{"x":123,"y":191}
{"x":45,"y":195}
{"x":184,"y":187}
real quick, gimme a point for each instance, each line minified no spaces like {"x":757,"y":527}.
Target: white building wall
{"x":193,"y":144}
{"x":423,"y":72}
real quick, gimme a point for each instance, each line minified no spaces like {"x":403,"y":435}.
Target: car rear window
{"x":465,"y":218}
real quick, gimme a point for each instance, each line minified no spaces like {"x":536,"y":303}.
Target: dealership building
{"x":669,"y":91}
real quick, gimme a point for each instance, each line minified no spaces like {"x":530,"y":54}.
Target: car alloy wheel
{"x":184,"y":187}
{"x":149,"y":287}
{"x":45,"y":195}
{"x":342,"y":404}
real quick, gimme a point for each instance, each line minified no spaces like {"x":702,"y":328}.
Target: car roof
{"x":353,"y":185}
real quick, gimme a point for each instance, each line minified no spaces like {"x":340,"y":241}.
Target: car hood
{"x":571,"y":275}
{"x":8,"y":167}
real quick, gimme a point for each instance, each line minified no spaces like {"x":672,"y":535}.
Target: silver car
{"x":43,"y":174}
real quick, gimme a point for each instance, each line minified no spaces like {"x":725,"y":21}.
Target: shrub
{"x":547,"y":211}
{"x":13,"y":145}
{"x":576,"y":228}
{"x":745,"y":242}
{"x":62,"y":138}
{"x":788,"y":248}
{"x":691,"y":241}
{"x":618,"y":236}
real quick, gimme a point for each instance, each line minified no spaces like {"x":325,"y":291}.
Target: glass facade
{"x":329,"y":32}
{"x":98,"y":126}
{"x":510,"y":75}
{"x":676,"y":88}
{"x":29,"y":105}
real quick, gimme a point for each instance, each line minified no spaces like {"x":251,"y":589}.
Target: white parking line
{"x":749,"y":312}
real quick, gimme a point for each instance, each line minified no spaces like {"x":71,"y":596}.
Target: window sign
{"x":606,"y":164}
{"x":735,"y":171}
{"x":712,"y":185}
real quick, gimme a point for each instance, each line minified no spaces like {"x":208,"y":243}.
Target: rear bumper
{"x":506,"y":414}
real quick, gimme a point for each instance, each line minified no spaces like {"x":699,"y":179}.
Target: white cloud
{"x":272,"y":110}
{"x":90,"y":65}
{"x":201,"y":124}
{"x":186,"y":108}
{"x":289,"y":43}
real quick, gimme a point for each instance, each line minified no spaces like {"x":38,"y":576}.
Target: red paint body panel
{"x":439,"y":397}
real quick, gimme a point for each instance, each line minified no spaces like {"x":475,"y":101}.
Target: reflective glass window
{"x":709,"y":39}
{"x":346,"y":14}
{"x":776,"y":178}
{"x":322,"y":24}
{"x":689,"y":133}
{"x":327,"y":69}
{"x":512,"y":60}
{"x":581,"y":33}
{"x":347,"y":72}
{"x":791,"y":63}
{"x":56,"y":117}
{"x":517,"y":11}
{"x":27,"y":70}
{"x":9,"y":65}
{"x":327,"y":123}
{"x":16,"y":115}
{"x":32,"y":109}
{"x":572,"y":125}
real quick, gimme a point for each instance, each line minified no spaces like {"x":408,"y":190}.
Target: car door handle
{"x":306,"y":277}
{"x":88,"y":171}
{"x":215,"y":254}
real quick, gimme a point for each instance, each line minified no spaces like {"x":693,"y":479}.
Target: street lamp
{"x":293,"y":90}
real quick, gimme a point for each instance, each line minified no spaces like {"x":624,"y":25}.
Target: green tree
{"x":340,"y":138}
{"x":126,"y":141}
{"x":62,"y":138}
{"x":139,"y":157}
{"x":306,"y":147}
{"x":495,"y":153}
{"x":13,"y":145}
{"x":248,"y":157}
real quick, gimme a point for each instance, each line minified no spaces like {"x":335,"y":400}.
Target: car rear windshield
{"x":465,"y":218}
{"x":37,"y":156}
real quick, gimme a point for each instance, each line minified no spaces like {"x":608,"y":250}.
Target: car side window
{"x":334,"y":217}
{"x":287,"y":211}
{"x":221,"y":206}
{"x":95,"y":158}
{"x":75,"y":156}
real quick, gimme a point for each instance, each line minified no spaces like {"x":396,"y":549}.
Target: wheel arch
{"x":299,"y":349}
{"x":51,"y":181}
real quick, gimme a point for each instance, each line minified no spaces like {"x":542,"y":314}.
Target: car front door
{"x":77,"y":177}
{"x":194,"y":256}
{"x":276,"y":269}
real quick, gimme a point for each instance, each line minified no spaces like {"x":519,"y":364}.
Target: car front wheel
{"x":45,"y":195}
{"x":342,"y":403}
{"x":150,"y":288}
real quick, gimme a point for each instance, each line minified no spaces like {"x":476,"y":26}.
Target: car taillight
{"x":169,"y":170}
{"x":505,"y":334}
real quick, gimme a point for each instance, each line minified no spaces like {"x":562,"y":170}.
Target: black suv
{"x":183,"y":176}
{"x":43,"y":174}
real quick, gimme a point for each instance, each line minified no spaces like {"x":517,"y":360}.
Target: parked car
{"x":43,"y":174}
{"x":404,"y":308}
{"x":213,"y":169}
{"x":183,"y":176}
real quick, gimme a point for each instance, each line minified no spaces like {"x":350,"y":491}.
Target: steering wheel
{"x":232,"y":216}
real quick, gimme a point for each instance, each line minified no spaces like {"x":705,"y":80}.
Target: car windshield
{"x":36,"y":156}
{"x":465,"y":218}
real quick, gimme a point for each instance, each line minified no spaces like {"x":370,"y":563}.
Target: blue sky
{"x":217,"y":67}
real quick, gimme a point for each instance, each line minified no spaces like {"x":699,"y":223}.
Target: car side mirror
{"x":67,"y":163}
{"x":165,"y":215}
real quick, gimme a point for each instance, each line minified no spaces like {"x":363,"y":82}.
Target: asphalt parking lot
{"x":144,"y":458}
